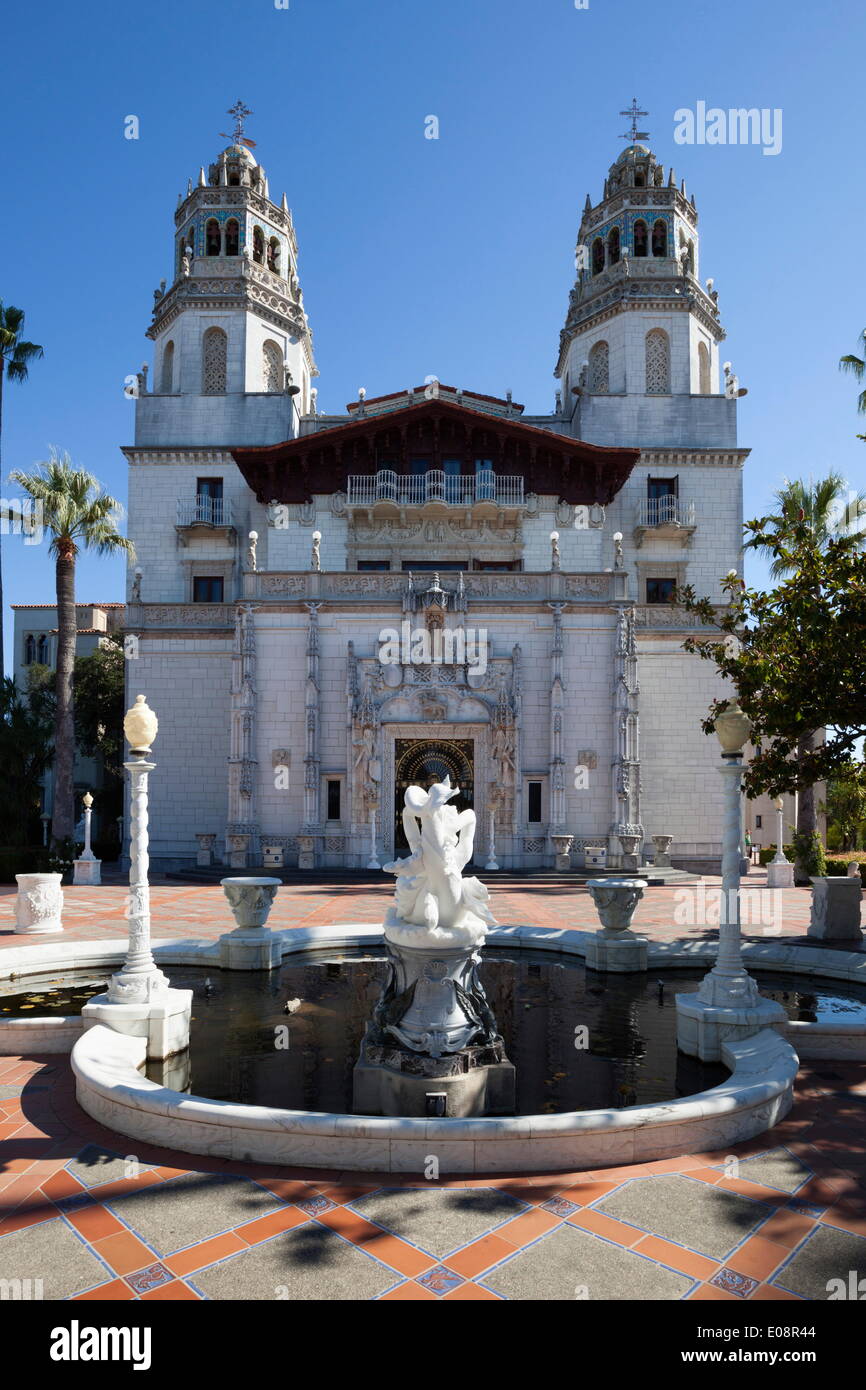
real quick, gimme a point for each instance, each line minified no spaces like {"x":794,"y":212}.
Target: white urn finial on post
{"x":87,"y":869}
{"x":780,"y":870}
{"x":140,"y":725}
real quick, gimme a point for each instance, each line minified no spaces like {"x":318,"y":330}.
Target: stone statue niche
{"x":432,"y":1047}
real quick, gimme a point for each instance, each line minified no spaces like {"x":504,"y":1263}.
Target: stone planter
{"x":204,"y":857}
{"x":630,"y":846}
{"x":562,"y":844}
{"x":39,"y":904}
{"x":662,"y":845}
{"x":238,"y":847}
{"x":836,"y":909}
{"x":306,"y":851}
{"x":250,"y":946}
{"x":615,"y":947}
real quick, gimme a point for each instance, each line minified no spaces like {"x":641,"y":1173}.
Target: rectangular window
{"x":758,"y":822}
{"x":333,"y":799}
{"x":533,"y":814}
{"x":209,"y":501}
{"x":417,"y":466}
{"x":662,"y":487}
{"x":428,"y":566}
{"x":511,"y":566}
{"x":374,"y":565}
{"x":207,"y":589}
{"x":660,"y":590}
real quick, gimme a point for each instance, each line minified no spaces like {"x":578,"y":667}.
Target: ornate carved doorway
{"x":420,"y":763}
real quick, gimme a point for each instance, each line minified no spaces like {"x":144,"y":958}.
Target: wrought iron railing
{"x":204,"y":511}
{"x":454,"y":489}
{"x":665,"y":511}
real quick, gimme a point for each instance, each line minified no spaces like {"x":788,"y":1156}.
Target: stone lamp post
{"x":87,"y":869}
{"x":727,"y":1006}
{"x":780,"y":871}
{"x":139,"y":1000}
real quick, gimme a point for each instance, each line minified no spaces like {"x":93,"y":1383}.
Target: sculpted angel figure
{"x":434,"y":903}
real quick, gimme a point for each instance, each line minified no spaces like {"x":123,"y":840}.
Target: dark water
{"x":539,"y":999}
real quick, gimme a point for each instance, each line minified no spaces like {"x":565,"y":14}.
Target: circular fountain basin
{"x":754,"y":1096}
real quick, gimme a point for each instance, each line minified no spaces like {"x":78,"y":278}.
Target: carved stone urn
{"x":662,"y":845}
{"x":250,"y":899}
{"x":630,"y":845}
{"x":615,"y":901}
{"x":39,"y":903}
{"x":562,"y":844}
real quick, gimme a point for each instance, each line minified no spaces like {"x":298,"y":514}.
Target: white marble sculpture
{"x":435,"y":905}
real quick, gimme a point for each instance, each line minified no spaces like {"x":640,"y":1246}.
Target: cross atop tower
{"x":634,"y":134}
{"x":240,"y":113}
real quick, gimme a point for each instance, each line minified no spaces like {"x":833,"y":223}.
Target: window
{"x":703,"y":369}
{"x":29,"y":649}
{"x":507,"y":566}
{"x":214,"y":361}
{"x":258,"y":246}
{"x":209,"y":501}
{"x":660,"y":238}
{"x":640,"y":179}
{"x":662,"y":487}
{"x":533,"y":814}
{"x":274,"y":255}
{"x":42,"y":651}
{"x":232,"y":238}
{"x":207,"y":589}
{"x":660,"y":590}
{"x":662,"y":496}
{"x":369,"y":566}
{"x":599,"y":377}
{"x":613,"y":246}
{"x":439,"y":566}
{"x":597,"y":256}
{"x":212,"y":238}
{"x":658,"y":363}
{"x":167,"y":380}
{"x":334,"y":790}
{"x":641,"y":238}
{"x":273,"y":373}
{"x":759,"y":822}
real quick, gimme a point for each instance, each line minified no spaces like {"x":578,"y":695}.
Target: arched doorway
{"x":420,"y":763}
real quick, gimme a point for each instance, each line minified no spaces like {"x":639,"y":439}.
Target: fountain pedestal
{"x":616,"y":948}
{"x":252,"y":945}
{"x":432,"y":1047}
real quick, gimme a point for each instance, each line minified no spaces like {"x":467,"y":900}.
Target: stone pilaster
{"x":626,"y":787}
{"x":242,"y":830}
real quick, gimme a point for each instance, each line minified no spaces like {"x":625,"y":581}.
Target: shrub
{"x":838,"y":868}
{"x":809,"y":858}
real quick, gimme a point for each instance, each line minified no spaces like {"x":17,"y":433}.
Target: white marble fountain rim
{"x":113,"y":1090}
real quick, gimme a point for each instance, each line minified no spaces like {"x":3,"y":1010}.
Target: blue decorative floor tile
{"x":732,"y":1282}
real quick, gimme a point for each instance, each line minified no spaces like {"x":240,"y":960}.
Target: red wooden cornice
{"x":550,"y":464}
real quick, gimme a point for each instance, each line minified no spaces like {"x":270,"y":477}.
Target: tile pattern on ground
{"x":569,"y":1264}
{"x":306,"y":1264}
{"x":704,"y":1218}
{"x":442,"y":1220}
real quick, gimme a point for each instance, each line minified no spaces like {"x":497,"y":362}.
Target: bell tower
{"x":639,"y":352}
{"x":233,"y":349}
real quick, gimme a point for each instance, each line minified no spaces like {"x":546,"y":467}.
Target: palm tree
{"x":834,"y":513}
{"x":78,"y":514}
{"x":857,"y":367}
{"x":16,"y":354}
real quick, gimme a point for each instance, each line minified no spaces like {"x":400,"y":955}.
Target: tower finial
{"x":634,"y":134}
{"x":240,"y":113}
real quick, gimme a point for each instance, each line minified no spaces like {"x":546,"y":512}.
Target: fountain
{"x":432,"y":1046}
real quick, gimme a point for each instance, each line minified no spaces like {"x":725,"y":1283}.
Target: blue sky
{"x":454,"y":256}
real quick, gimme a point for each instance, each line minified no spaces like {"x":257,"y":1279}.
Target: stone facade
{"x":576,"y":713}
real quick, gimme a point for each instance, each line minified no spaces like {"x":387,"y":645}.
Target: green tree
{"x":796,"y":656}
{"x":846,"y":803}
{"x":833,"y":512}
{"x":98,"y":685}
{"x":25,"y":752}
{"x":16,"y":355}
{"x":78,"y":514}
{"x":857,"y":367}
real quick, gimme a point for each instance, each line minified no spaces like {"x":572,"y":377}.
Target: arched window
{"x":258,"y":245}
{"x":597,"y":256}
{"x":167,"y":379}
{"x":703,"y":369}
{"x":640,"y":179}
{"x":272,"y":367}
{"x":274,"y":255}
{"x":212,"y":238}
{"x":660,"y":238}
{"x":658,"y":363}
{"x":641,"y":238}
{"x":613,"y":246}
{"x":42,"y":651}
{"x":232,"y":238}
{"x":213,"y":357}
{"x":29,"y":649}
{"x":599,"y":380}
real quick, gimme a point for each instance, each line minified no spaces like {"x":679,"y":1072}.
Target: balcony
{"x":206,"y":513}
{"x":387,"y":489}
{"x":666,"y":517}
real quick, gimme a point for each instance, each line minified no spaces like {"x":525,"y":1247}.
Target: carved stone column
{"x":626,"y":749}
{"x":242,"y":830}
{"x":312,"y":721}
{"x":557,"y":707}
